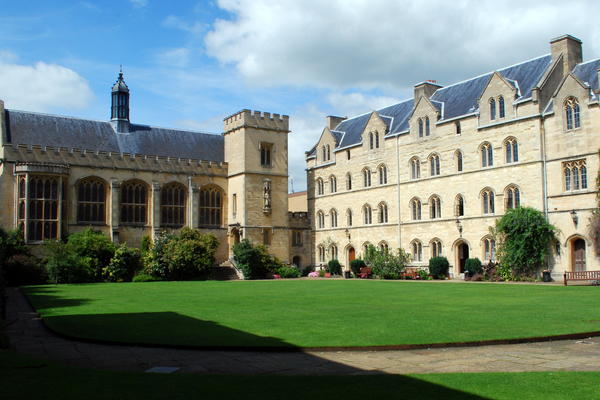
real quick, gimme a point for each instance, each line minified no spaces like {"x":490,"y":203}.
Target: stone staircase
{"x":224,"y":272}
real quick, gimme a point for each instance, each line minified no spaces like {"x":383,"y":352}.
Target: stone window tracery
{"x":575,"y":175}
{"x":91,"y":201}
{"x":211,"y":207}
{"x":172,"y":205}
{"x":134,"y":203}
{"x":572,"y":113}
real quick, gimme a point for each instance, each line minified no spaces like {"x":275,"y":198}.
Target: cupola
{"x":119,"y":114}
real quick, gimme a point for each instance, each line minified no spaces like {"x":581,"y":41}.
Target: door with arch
{"x":462,"y":254}
{"x":351,"y":255}
{"x":578,"y":257}
{"x":296,"y":262}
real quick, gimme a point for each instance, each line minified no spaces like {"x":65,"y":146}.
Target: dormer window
{"x":492,"y":109}
{"x":427,"y":129}
{"x":572,"y":113}
{"x":420,"y":127}
{"x":501,"y":108}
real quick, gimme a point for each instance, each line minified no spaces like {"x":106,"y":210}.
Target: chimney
{"x":570,"y":48}
{"x":426,"y":89}
{"x":598,"y":88}
{"x":2,"y":123}
{"x":333,"y":121}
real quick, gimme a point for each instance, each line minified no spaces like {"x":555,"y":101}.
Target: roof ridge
{"x":587,"y":62}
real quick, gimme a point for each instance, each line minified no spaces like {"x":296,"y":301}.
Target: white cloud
{"x":389,"y":45}
{"x":178,"y":57}
{"x":139,"y":3}
{"x":41,"y":87}
{"x":175,"y":22}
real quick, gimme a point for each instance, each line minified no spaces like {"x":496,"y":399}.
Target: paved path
{"x":28,"y":335}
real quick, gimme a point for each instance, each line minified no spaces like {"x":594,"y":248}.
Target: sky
{"x":189,"y":64}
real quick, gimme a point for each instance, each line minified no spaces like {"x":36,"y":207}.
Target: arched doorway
{"x":296,"y":262}
{"x":351,"y":255}
{"x":578,"y":255}
{"x":462,"y":254}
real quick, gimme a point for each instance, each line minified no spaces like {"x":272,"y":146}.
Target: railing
{"x":238,"y":271}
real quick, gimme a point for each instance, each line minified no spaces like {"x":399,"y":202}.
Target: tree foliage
{"x":523,"y":236}
{"x":386,"y":264}
{"x":255,"y":261}
{"x":438,"y":267}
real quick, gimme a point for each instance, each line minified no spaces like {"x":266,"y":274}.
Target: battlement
{"x":256,"y":120}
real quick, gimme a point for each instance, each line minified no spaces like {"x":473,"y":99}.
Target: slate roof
{"x":30,"y":128}
{"x":587,"y":72}
{"x":451,"y":101}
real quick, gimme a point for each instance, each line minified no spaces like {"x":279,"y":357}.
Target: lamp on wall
{"x":459,"y":226}
{"x":574,"y":217}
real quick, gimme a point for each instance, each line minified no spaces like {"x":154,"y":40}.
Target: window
{"x":459,"y":206}
{"x":91,"y":201}
{"x":383,"y":246}
{"x":376,"y":140}
{"x":172,"y":205}
{"x":435,"y":209}
{"x":420,"y":127}
{"x":383,"y":213}
{"x":434,"y":165}
{"x":415,"y":207}
{"x":575,"y":173}
{"x":489,"y":249}
{"x":459,"y":160}
{"x":492,"y":109}
{"x":367,"y":214}
{"x":511,"y":148}
{"x":487,"y":196}
{"x":487,"y":155}
{"x":39,"y":214}
{"x":321,"y":252}
{"x":382,"y":174}
{"x":333,"y":184}
{"x":328,"y":152}
{"x":134,"y":195}
{"x":320,"y":185}
{"x":211,"y":206}
{"x":333,"y":217}
{"x":333,"y":252}
{"x":371,"y":140}
{"x":436,"y":248}
{"x":234,"y":204}
{"x":415,"y":168}
{"x":572,"y":114}
{"x":427,"y":129}
{"x":513,"y":197}
{"x":457,"y":126}
{"x":265,"y":154}
{"x":417,"y":250}
{"x":501,"y":108}
{"x":267,"y":234}
{"x":366,"y":177}
{"x":348,"y":154}
{"x":349,"y":217}
{"x":297,"y":238}
{"x":348,"y":181}
{"x":320,"y":220}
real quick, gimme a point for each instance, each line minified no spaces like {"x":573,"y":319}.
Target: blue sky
{"x":189,"y":64}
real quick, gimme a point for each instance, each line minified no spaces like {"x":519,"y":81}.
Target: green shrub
{"x":255,"y":261}
{"x":154,"y":263}
{"x":146,"y":244}
{"x":95,"y":246}
{"x":386,"y":264}
{"x":356,"y":265}
{"x":423,"y":275}
{"x":334,"y":267}
{"x":66,"y":266}
{"x":288,"y":272}
{"x":124,"y":264}
{"x":438,"y":267}
{"x":145,"y":278}
{"x":307,"y":270}
{"x":24,"y":269}
{"x":190,"y":254}
{"x":11,"y":243}
{"x":473,"y":266}
{"x":321,"y":273}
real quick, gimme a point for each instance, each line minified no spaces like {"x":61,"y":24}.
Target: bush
{"x":190,"y":254}
{"x":334,"y":267}
{"x":356,"y":265}
{"x":254,"y":261}
{"x":23,"y":269}
{"x":423,"y":275}
{"x":154,"y":263}
{"x":321,"y":273}
{"x":385,"y":264}
{"x":145,"y":278}
{"x":66,"y":266}
{"x":11,"y":243}
{"x":307,"y":270}
{"x":124,"y":264}
{"x":438,"y":267}
{"x":288,"y":272}
{"x":94,"y":246}
{"x":473,"y":266}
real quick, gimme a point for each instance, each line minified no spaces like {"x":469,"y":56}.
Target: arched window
{"x":91,"y":201}
{"x":513,"y":197}
{"x":172,"y":205}
{"x":436,"y":248}
{"x":382,"y":174}
{"x":320,"y":185}
{"x":457,"y":126}
{"x":427,"y":129}
{"x":511,"y":148}
{"x":459,"y":160}
{"x":501,"y":108}
{"x":211,"y":207}
{"x":348,"y":181}
{"x":333,"y":216}
{"x":333,"y":252}
{"x":383,"y":213}
{"x":492,"y":109}
{"x":435,"y":209}
{"x":459,"y":206}
{"x":415,"y":208}
{"x":487,"y":155}
{"x":365,"y":248}
{"x":583,"y":173}
{"x":367,"y":214}
{"x":134,"y":203}
{"x":417,"y":250}
{"x":371,"y":140}
{"x":328,"y":152}
{"x":349,"y":217}
{"x":567,"y":178}
{"x":420,"y":127}
{"x":487,"y":198}
{"x":320,"y":219}
{"x":434,"y":165}
{"x":572,"y":113}
{"x":575,"y":173}
{"x":376,"y":139}
{"x":324,"y":149}
{"x":366,"y":177}
{"x":321,"y":253}
{"x":383,"y":246}
{"x":415,"y":168}
{"x":489,"y":249}
{"x":41,"y":196}
{"x":333,"y":184}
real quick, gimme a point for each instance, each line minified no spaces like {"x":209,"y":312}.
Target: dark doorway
{"x":462,"y":255}
{"x":296,"y":262}
{"x":579,"y":255}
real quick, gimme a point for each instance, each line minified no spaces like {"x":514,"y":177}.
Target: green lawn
{"x":314,"y":313}
{"x":25,"y":378}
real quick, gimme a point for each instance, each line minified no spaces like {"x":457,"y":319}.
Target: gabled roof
{"x":452,"y":101}
{"x":587,"y":73}
{"x":30,"y":128}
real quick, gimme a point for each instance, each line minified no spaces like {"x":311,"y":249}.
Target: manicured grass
{"x":25,"y":378}
{"x":314,"y":313}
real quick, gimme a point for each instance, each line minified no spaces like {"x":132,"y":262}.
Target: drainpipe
{"x":544,"y":166}
{"x":398,"y":189}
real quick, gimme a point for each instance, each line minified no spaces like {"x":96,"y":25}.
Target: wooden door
{"x":579,"y":255}
{"x":351,"y":255}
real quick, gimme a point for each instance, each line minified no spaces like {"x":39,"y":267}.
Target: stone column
{"x":115,"y":209}
{"x":195,"y":209}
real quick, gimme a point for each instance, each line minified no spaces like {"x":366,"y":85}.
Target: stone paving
{"x":28,"y":335}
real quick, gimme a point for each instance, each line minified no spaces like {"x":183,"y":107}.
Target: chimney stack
{"x":426,"y":89}
{"x":333,"y":121}
{"x":570,"y":48}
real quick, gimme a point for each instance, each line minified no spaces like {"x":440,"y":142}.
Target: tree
{"x":523,"y":236}
{"x":386,"y":264}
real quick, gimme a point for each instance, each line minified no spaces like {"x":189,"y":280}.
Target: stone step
{"x":223,"y":273}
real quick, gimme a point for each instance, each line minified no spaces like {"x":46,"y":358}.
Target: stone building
{"x":433,"y":173}
{"x":60,"y":175}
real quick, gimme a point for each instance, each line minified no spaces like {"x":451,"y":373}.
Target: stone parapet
{"x":256,"y":120}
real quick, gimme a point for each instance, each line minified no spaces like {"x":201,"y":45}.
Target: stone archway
{"x":578,"y":254}
{"x":461,"y":254}
{"x":297,"y":262}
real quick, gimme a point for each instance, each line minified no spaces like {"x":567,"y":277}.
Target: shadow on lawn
{"x":45,"y":297}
